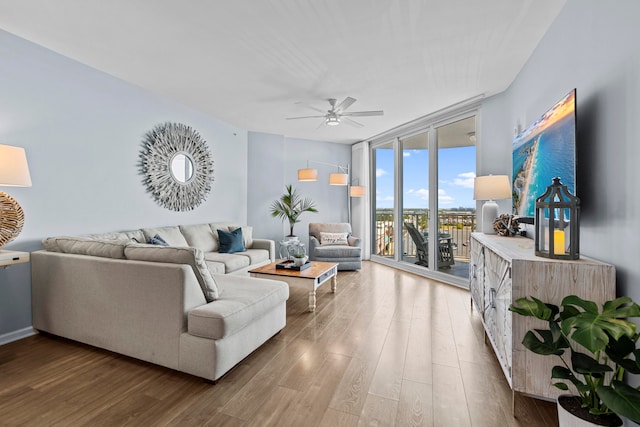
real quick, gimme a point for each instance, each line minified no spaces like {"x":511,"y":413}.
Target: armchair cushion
{"x":337,"y":251}
{"x":333,"y":238}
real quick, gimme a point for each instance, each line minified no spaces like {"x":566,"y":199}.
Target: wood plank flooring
{"x":388,"y":349}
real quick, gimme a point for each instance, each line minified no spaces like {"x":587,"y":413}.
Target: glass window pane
{"x":415,"y":198}
{"x":383,"y":159}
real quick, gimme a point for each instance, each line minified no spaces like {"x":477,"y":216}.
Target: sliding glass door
{"x":423,"y":205}
{"x":456,"y":144}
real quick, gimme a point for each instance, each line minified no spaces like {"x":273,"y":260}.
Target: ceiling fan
{"x":337,"y":114}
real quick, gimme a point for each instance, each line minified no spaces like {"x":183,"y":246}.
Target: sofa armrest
{"x":354,"y":241}
{"x":266,"y":244}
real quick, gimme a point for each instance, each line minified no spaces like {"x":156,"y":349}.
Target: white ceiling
{"x":252,"y":62}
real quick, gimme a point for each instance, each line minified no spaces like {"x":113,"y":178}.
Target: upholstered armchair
{"x":333,"y":242}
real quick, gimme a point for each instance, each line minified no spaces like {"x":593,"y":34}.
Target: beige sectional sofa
{"x":185,"y":306}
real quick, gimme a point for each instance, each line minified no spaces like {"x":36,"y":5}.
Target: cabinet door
{"x":497,"y":317}
{"x":476,"y":276}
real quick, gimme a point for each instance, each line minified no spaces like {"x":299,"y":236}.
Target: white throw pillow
{"x":333,"y":238}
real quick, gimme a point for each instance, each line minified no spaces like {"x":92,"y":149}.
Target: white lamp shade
{"x":357,"y":191}
{"x":307,"y":174}
{"x":338,"y":179}
{"x":491,"y":187}
{"x":14,"y":170}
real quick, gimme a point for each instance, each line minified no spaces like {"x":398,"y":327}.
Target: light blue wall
{"x":592,"y":46}
{"x":274,"y":161}
{"x":82,"y":131}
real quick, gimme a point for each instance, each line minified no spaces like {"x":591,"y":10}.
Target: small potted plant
{"x":595,"y":349}
{"x":290,"y":206}
{"x":300,"y":259}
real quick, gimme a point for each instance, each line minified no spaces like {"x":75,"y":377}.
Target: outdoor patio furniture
{"x":445,"y":247}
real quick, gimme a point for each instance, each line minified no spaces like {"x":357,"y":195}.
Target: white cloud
{"x":380,"y":172}
{"x":406,"y":153}
{"x":385,"y":199}
{"x":465,"y":180}
{"x":444,"y":198}
{"x":423,"y":193}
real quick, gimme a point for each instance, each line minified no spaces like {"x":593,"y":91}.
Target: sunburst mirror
{"x":177,"y":166}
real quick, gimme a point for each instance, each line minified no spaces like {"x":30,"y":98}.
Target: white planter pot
{"x":300,"y":261}
{"x":567,"y":419}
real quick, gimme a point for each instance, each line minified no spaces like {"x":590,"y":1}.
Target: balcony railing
{"x":457,"y":224}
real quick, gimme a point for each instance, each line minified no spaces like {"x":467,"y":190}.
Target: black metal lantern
{"x":557,"y":222}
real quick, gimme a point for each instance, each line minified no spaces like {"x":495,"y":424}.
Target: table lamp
{"x":490,"y":188}
{"x":14,"y":172}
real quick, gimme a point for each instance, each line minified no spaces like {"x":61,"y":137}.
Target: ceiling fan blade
{"x":320,"y":125}
{"x":311,"y":107}
{"x":305,"y":117}
{"x":351,"y":122}
{"x":345,"y":104}
{"x":364,"y":113}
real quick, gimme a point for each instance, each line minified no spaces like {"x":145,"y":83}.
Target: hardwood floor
{"x":389,"y":348}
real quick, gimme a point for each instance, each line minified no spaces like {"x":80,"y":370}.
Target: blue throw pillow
{"x":231,"y":242}
{"x":157,"y":240}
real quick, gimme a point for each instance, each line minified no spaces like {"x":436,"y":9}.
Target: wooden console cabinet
{"x":503,"y":269}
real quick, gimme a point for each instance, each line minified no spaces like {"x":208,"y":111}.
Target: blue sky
{"x":456,"y":168}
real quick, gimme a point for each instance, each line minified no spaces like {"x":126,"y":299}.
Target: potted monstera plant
{"x":595,"y":348}
{"x":290,"y":206}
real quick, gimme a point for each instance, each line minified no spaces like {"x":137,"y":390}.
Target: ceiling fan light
{"x":333,"y":121}
{"x":338,"y":179}
{"x":307,"y":175}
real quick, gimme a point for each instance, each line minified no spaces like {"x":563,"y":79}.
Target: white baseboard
{"x":17,"y":335}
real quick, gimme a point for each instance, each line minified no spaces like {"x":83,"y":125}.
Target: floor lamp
{"x":491,"y":188}
{"x":14,"y":172}
{"x":340,"y":178}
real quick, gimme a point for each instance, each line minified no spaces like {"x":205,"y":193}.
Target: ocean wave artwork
{"x":543,"y":151}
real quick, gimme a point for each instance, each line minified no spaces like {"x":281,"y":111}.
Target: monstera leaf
{"x":534,"y":308}
{"x":622,"y":399}
{"x":592,"y":329}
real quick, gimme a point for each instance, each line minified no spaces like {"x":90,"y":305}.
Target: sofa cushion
{"x":247,"y":234}
{"x":201,"y":236}
{"x":89,"y":246}
{"x":255,"y":255}
{"x":177,"y":255}
{"x":133,"y":235}
{"x":215,"y":267}
{"x":232,"y":262}
{"x":333,"y":238}
{"x":242,"y":301}
{"x":337,"y":251}
{"x":171,"y":235}
{"x":231,"y":241}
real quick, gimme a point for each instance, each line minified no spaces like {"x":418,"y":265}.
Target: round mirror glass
{"x":182,"y":168}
